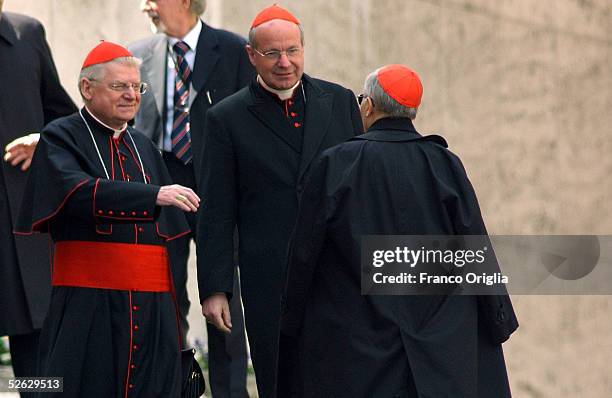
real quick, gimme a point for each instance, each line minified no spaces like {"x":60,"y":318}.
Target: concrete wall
{"x":521,"y":89}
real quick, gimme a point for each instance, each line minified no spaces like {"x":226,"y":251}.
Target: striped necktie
{"x":181,"y":136}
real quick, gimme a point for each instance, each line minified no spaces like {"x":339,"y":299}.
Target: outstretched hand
{"x":178,"y":196}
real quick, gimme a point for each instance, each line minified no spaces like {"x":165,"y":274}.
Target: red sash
{"x":117,"y":266}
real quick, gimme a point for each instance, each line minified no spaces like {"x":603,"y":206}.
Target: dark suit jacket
{"x":252,"y":175}
{"x":30,"y":97}
{"x":389,"y":181}
{"x":221,"y":68}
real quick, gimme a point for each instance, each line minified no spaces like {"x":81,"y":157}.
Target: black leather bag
{"x":192,"y":376}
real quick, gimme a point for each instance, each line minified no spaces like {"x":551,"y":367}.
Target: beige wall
{"x":521,"y":89}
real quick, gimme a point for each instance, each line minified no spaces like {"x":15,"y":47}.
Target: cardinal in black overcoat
{"x":258,"y":145}
{"x":389,"y":181}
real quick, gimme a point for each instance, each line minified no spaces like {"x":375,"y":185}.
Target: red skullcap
{"x":402,"y":84}
{"x":273,"y":12}
{"x":104,"y":52}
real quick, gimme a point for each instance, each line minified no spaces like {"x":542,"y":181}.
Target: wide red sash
{"x":118,"y":266}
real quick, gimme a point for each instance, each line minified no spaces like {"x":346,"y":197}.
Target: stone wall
{"x":521,"y":89}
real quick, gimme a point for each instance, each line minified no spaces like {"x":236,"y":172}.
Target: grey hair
{"x":97,"y":71}
{"x":253,"y":31}
{"x":197,"y":7}
{"x":383,"y":102}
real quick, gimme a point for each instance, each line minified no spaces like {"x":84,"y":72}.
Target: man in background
{"x":30,"y":97}
{"x":191,"y":67}
{"x":259,"y":143}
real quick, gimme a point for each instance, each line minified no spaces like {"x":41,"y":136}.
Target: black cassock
{"x":389,"y":181}
{"x":104,"y":342}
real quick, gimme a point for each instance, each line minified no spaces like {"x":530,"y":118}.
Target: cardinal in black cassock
{"x":112,"y":326}
{"x":389,"y":181}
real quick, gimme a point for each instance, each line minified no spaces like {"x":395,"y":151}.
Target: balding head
{"x":276,"y":51}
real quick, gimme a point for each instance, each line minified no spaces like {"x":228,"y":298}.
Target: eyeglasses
{"x":123,"y":87}
{"x":292,"y":52}
{"x":362,"y":97}
{"x":140,"y":88}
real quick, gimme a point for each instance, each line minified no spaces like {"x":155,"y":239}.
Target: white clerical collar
{"x":191,"y":38}
{"x":282,"y":94}
{"x":116,"y":133}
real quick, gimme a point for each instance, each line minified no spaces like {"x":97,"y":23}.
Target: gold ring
{"x":181,"y":198}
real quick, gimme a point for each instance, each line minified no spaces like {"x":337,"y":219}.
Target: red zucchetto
{"x":402,"y":84}
{"x":104,"y":52}
{"x":273,"y":12}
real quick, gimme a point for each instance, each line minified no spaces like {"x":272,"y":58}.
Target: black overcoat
{"x":389,"y":181}
{"x":30,"y":97}
{"x":253,"y":168}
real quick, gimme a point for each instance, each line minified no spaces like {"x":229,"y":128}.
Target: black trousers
{"x":24,"y":353}
{"x":24,"y":356}
{"x":227,"y":354}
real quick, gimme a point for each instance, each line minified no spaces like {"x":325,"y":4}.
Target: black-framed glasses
{"x":123,"y":87}
{"x":362,"y":97}
{"x":292,"y":52}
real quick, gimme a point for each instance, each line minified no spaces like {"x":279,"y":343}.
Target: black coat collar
{"x":319,"y":106}
{"x":397,"y":130}
{"x":95,"y":124}
{"x":7,"y":31}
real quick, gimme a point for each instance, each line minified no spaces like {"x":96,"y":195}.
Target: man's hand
{"x":178,"y":196}
{"x":21,"y":150}
{"x":216,"y":310}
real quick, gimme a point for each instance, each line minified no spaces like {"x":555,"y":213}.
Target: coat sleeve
{"x":304,"y":248}
{"x":496,"y":312}
{"x":56,"y":102}
{"x":58,"y":184}
{"x":218,"y":211}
